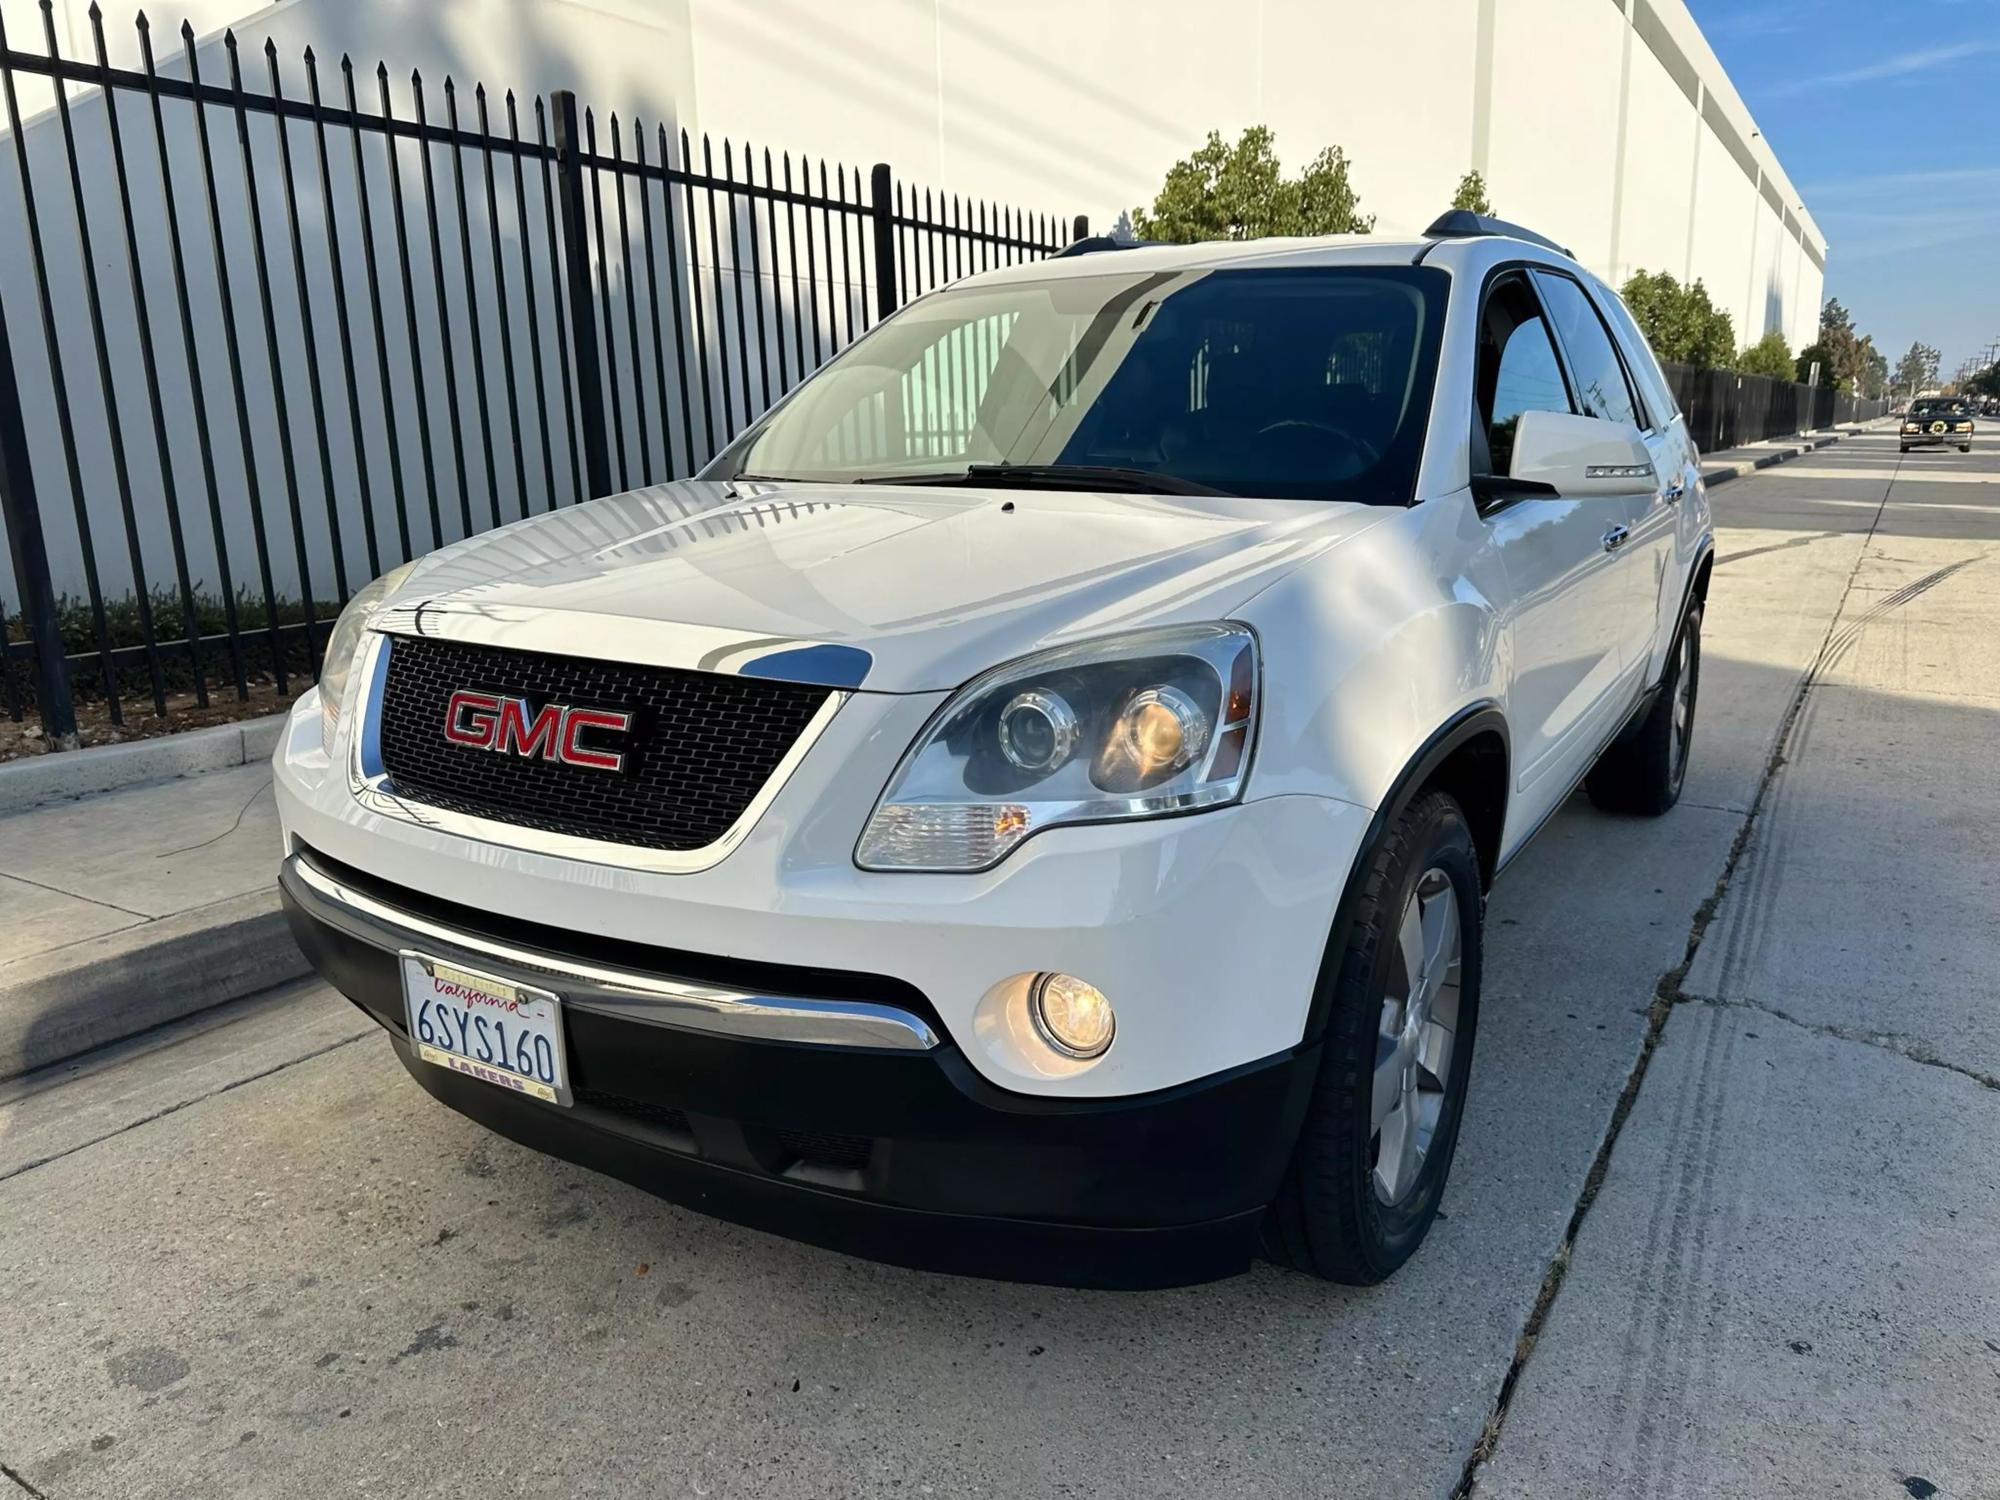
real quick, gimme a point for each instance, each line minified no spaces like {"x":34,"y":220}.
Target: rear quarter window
{"x":1653,"y":387}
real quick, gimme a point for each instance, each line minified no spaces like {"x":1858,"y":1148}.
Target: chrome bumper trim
{"x":625,"y":993}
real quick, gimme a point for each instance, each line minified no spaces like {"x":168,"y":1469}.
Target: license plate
{"x":503,"y":1033}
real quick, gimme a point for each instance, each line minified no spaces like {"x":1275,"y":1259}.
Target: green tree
{"x":1986,"y":382}
{"x":1875,"y":382}
{"x":1847,"y":359}
{"x":1917,"y":369}
{"x":1471,"y":194}
{"x":1240,"y":192}
{"x":1682,"y":323}
{"x":1770,"y":356}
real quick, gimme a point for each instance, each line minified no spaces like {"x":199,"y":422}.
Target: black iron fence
{"x":1726,"y":409}
{"x":288,"y":340}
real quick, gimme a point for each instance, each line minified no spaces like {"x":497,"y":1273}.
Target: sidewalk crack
{"x":26,"y":1488}
{"x":241,"y":813}
{"x":56,"y":890}
{"x":1666,"y":994}
{"x":1911,"y":1049}
{"x":176,"y":1108}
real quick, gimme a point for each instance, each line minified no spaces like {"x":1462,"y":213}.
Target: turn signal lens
{"x":1071,"y":1016}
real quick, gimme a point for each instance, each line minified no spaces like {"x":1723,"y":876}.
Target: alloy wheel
{"x":1413,"y":1045}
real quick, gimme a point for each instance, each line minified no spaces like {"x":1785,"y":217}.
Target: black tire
{"x":1904,"y":449}
{"x":1965,"y":447}
{"x":1329,"y":1218}
{"x":1641,"y":771}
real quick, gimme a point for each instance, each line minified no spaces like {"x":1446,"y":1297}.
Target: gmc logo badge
{"x":487,"y":721}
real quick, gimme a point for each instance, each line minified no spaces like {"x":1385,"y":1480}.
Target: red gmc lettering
{"x":471,"y":719}
{"x":575,"y":721}
{"x":517,"y":736}
{"x":486,"y":721}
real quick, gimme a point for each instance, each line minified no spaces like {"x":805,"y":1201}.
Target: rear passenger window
{"x":1518,"y":370}
{"x":1600,"y":379}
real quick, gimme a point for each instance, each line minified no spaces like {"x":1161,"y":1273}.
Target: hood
{"x":888,"y":588}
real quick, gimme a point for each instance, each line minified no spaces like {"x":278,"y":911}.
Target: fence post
{"x":576,"y":287}
{"x":23,"y":516}
{"x":1081,"y":229}
{"x":881,"y":190}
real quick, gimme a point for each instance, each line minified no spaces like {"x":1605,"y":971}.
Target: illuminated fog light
{"x":1071,"y":1016}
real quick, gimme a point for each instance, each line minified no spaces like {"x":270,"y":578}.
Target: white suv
{"x":1028,"y":806}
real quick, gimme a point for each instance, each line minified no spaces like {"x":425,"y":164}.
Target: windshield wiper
{"x":1056,"y":477}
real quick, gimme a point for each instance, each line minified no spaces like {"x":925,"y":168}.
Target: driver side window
{"x":1518,"y":370}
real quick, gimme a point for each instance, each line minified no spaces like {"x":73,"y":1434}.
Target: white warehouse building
{"x":1607,"y":125}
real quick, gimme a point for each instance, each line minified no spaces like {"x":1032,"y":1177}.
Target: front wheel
{"x":1642,"y":770}
{"x":1369,"y":1167}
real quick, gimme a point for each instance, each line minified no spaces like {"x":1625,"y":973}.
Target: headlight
{"x":1131,"y":727}
{"x":345,"y":643}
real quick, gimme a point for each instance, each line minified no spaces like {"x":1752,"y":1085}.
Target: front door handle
{"x":1673,"y":492}
{"x":1615,"y":538}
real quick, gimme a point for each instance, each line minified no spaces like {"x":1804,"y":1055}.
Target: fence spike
{"x":141,"y":22}
{"x":228,"y":35}
{"x":307,"y":56}
{"x":449,"y":88}
{"x":94,"y":13}
{"x":187,"y":31}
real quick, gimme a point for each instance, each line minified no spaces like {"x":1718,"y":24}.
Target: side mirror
{"x":1577,"y":456}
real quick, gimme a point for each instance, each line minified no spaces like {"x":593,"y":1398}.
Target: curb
{"x":58,"y":1005}
{"x":36,"y":779}
{"x":1808,"y":443}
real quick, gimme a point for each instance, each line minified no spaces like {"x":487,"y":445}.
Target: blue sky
{"x":1884,"y":115}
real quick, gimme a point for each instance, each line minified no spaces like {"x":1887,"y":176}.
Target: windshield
{"x":1306,"y":384}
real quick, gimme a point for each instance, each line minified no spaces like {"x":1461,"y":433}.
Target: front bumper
{"x":1206,"y":931}
{"x":1928,"y":439}
{"x":899,"y":1152}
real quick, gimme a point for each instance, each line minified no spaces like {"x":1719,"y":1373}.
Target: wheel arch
{"x":1467,"y":756}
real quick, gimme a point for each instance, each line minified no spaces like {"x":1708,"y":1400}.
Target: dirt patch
{"x":94,"y":726}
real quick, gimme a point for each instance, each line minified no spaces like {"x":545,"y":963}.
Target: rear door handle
{"x":1615,"y":538}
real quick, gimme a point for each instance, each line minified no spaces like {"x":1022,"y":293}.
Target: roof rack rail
{"x":1091,"y":244}
{"x":1463,"y":224}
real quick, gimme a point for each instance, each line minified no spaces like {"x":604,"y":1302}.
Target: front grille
{"x":659,"y":1116}
{"x":700,"y":748}
{"x":817,"y":1148}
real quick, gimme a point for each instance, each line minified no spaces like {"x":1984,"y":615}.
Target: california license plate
{"x":503,"y":1033}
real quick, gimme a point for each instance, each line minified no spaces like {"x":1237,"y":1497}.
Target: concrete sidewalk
{"x":1790,"y":1281}
{"x":127,"y":909}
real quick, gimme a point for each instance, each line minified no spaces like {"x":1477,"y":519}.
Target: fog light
{"x":1071,"y":1016}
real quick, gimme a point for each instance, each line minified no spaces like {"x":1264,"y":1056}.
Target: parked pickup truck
{"x":1028,"y":805}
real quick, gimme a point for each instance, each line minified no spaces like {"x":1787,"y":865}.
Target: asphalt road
{"x":251,"y":1258}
